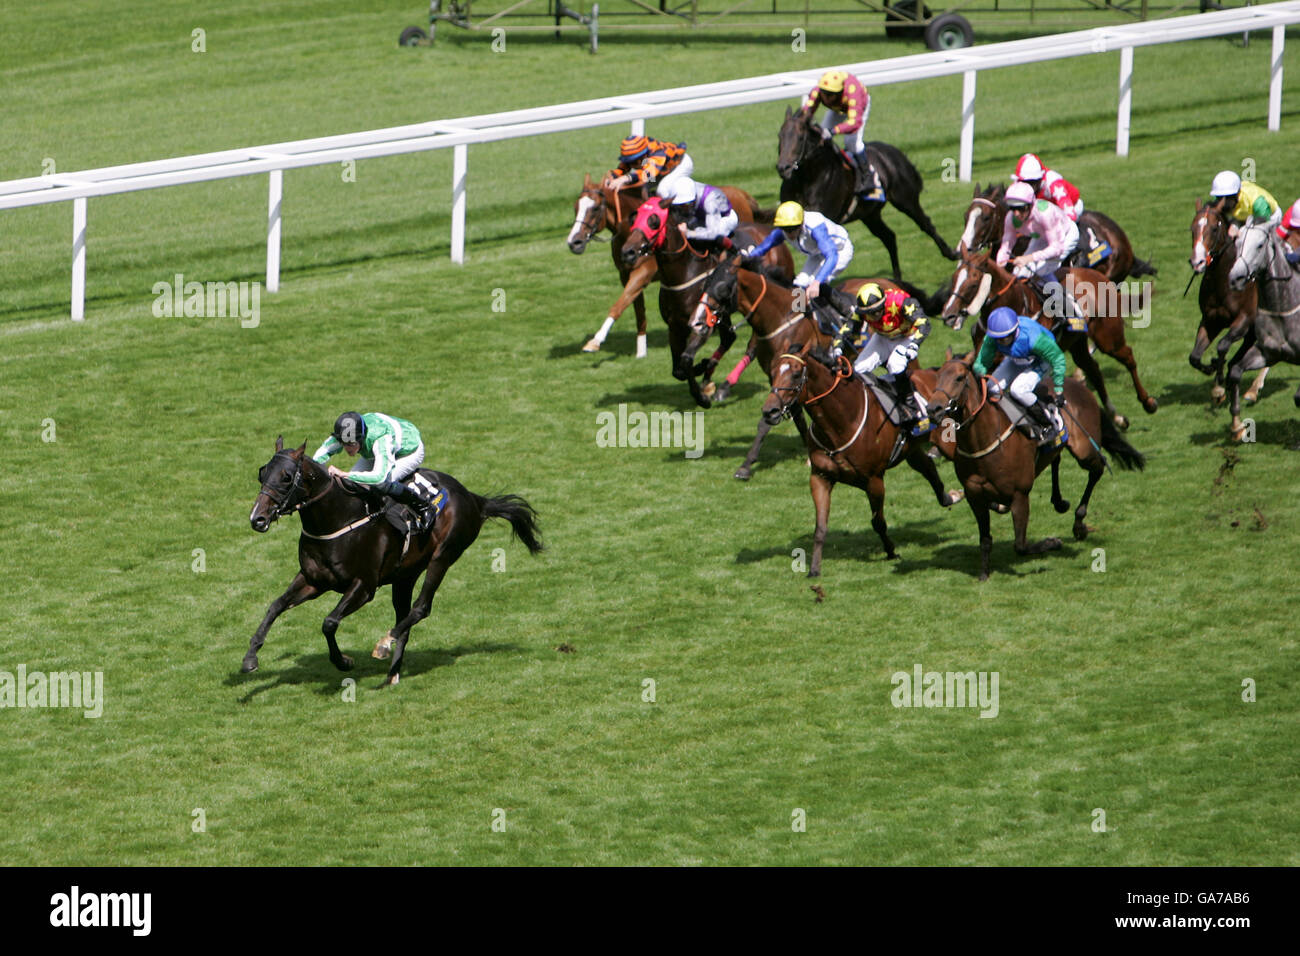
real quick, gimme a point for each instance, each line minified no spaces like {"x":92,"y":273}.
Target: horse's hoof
{"x":743,"y":473}
{"x":1250,"y":399}
{"x":954,"y":497}
{"x":591,"y":346}
{"x":1218,"y":393}
{"x":384,"y":649}
{"x":345,"y":662}
{"x":999,"y":508}
{"x":1078,"y":375}
{"x":708,"y":390}
{"x":249,"y":666}
{"x":1080,"y":531}
{"x":1151,"y":406}
{"x":392,"y":679}
{"x":1061,"y":506}
{"x":722,"y":394}
{"x":1121,"y":422}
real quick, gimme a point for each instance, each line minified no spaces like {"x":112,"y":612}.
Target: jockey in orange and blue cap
{"x":642,"y":161}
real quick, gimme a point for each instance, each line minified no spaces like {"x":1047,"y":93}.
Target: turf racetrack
{"x":1119,"y":690}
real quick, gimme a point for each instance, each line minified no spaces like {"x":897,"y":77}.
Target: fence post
{"x":967,"y":124}
{"x":79,"y":259}
{"x":460,"y":162}
{"x":1275,"y":86}
{"x":638,"y":127}
{"x":273,"y":231}
{"x":1125,"y":99}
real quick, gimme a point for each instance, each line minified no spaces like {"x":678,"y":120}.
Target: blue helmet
{"x":350,"y":428}
{"x":1002,"y":322}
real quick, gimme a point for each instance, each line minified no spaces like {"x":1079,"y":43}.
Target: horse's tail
{"x":1125,"y":455}
{"x":520,"y":514}
{"x":1141,"y":267}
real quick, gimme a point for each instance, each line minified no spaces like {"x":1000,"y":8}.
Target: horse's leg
{"x":298,"y":592}
{"x":872,"y":220}
{"x":1096,"y":467}
{"x":1058,"y":502}
{"x":1020,"y":519}
{"x":402,"y":589}
{"x":733,"y":376}
{"x":876,"y":495}
{"x":910,"y":206}
{"x":980,"y":509}
{"x":1110,"y":339}
{"x":746,"y":470}
{"x":821,"y":486}
{"x":356,"y":596}
{"x":1252,"y":394}
{"x":920,"y":462}
{"x":1251,"y":360}
{"x":438,"y":567}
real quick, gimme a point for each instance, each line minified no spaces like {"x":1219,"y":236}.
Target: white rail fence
{"x":459,"y":134}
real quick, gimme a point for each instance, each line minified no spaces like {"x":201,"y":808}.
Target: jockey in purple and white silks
{"x":706,"y":212}
{"x":1052,"y":235}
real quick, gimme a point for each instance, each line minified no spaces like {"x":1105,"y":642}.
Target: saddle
{"x":1092,"y":250}
{"x":1018,"y":417}
{"x":402,"y":517}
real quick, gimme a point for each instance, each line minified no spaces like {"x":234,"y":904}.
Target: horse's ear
{"x":299,"y":451}
{"x":1199,"y":204}
{"x":947,"y":354}
{"x":788,"y":112}
{"x":968,"y":359}
{"x":976,"y":191}
{"x":279,"y":443}
{"x":586,"y":181}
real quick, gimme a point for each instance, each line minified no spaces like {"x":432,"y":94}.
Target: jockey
{"x":1049,"y":184}
{"x":704,"y":212}
{"x":1027,"y":351}
{"x":1052,"y":237}
{"x":826,"y":244}
{"x":1288,"y":231}
{"x":898,"y":326}
{"x":390,"y":450}
{"x":1244,"y":202}
{"x":642,"y":160}
{"x":848,"y":104}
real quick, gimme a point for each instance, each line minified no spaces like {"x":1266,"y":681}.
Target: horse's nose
{"x":259,"y":523}
{"x":576,"y":246}
{"x":783,"y":170}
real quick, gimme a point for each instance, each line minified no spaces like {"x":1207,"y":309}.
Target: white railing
{"x":459,"y":133}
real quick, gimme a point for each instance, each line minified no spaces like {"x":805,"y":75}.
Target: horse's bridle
{"x":285,"y":501}
{"x":807,"y":144}
{"x":1222,"y":227}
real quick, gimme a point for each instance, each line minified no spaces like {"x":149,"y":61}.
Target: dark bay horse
{"x":850,"y":440}
{"x":348,"y":546}
{"x":816,"y":174}
{"x":986,"y":215}
{"x":997,"y":463}
{"x":980,"y":285}
{"x":598,"y":208}
{"x":682,"y":270}
{"x":1222,"y":308}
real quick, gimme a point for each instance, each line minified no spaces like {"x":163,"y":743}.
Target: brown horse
{"x":819,"y":176}
{"x":776,"y":315}
{"x":347,"y":545}
{"x":997,"y":463}
{"x":986,"y":216}
{"x":682,"y":270}
{"x":1222,"y":307}
{"x":980,"y":285}
{"x":850,"y":440}
{"x":598,"y":208}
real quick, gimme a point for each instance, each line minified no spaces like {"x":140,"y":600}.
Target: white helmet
{"x":1226,"y":183}
{"x":1020,"y":194}
{"x":1051,"y":178}
{"x":1029,"y":167}
{"x":684,"y":191}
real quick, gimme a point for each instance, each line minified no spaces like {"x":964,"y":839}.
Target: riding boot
{"x":869,"y":185}
{"x":1038,"y":417}
{"x":909,"y":403}
{"x":409,"y":494}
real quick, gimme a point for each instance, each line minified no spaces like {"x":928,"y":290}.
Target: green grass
{"x":1119,"y":690}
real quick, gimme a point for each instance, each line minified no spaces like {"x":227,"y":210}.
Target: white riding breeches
{"x":853,"y":140}
{"x":894,"y":354}
{"x":402,"y":467}
{"x":668,"y":185}
{"x":1023,"y":376}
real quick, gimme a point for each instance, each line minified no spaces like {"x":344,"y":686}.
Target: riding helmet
{"x":1019,"y":194}
{"x":1226,"y":183}
{"x":870,"y":298}
{"x":832,"y":81}
{"x":632,"y":149}
{"x":1002,"y":322}
{"x":350,"y":428}
{"x":1030,"y":167}
{"x":788,"y":214}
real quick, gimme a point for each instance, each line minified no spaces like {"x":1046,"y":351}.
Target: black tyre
{"x":412,"y":36}
{"x":901,"y":19}
{"x":949,"y":31}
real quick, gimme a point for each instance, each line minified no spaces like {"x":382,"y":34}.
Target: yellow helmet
{"x":832,"y":81}
{"x":788,"y":214}
{"x":870,"y":297}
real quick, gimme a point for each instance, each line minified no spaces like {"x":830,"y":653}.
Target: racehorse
{"x":682,"y":270}
{"x":1222,"y":307}
{"x":986,"y":215}
{"x":997,"y":463}
{"x":980,"y":285}
{"x":850,"y":439}
{"x":779,"y":324}
{"x":598,"y":208}
{"x":1262,"y":257}
{"x":348,"y":545}
{"x":816,"y":174}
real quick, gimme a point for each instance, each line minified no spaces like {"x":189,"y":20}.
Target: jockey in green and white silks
{"x":390,"y":450}
{"x":1027,"y":352}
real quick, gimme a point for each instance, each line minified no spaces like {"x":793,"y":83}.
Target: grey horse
{"x":1262,"y":256}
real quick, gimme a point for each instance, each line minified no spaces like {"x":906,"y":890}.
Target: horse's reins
{"x":280,"y":504}
{"x":984,"y":395}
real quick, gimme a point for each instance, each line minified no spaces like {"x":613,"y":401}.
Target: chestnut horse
{"x":682,"y":271}
{"x":850,"y":440}
{"x":1222,"y":307}
{"x":997,"y":463}
{"x":986,"y":215}
{"x":980,"y":285}
{"x":597,"y":209}
{"x":348,"y":546}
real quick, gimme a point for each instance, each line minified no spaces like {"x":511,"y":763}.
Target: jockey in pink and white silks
{"x":1053,"y":236}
